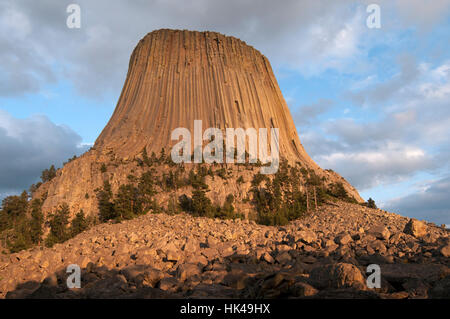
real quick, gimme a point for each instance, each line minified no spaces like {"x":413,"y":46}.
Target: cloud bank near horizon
{"x":31,"y":145}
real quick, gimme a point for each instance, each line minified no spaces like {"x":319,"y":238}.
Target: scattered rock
{"x":400,"y":273}
{"x":380,"y":232}
{"x":339,"y":275}
{"x":268,"y":258}
{"x":168,"y":284}
{"x":445,"y":251}
{"x":378,"y":246}
{"x":185,"y":271}
{"x":343,"y":239}
{"x":302,"y":289}
{"x":172,"y":255}
{"x":306,"y":236}
{"x":283,"y":257}
{"x":415,"y":228}
{"x":162,"y":256}
{"x":236,"y":279}
{"x":51,"y":281}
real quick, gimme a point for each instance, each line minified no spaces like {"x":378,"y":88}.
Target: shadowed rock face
{"x":174,"y":78}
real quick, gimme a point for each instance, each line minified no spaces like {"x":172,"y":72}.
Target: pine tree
{"x":48,"y":174}
{"x":227,"y":210}
{"x":162,"y":156}
{"x":153,"y":158}
{"x":14,"y":208}
{"x":37,"y":219}
{"x":59,"y":232}
{"x":337,"y":190}
{"x":228,"y":205}
{"x":145,"y":157}
{"x":197,"y":180}
{"x":105,"y":205}
{"x":185,"y":203}
{"x":78,"y":224}
{"x":14,"y":217}
{"x":21,"y":237}
{"x":371,"y":203}
{"x":127,"y":203}
{"x":146,"y":190}
{"x":34,"y":188}
{"x":201,"y":205}
{"x":4,"y":220}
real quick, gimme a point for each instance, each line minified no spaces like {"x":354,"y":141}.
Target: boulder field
{"x":324,"y":255}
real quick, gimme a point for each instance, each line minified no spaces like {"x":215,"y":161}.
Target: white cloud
{"x":30,"y":145}
{"x":429,"y":202}
{"x":410,"y":134}
{"x":386,"y":164}
{"x":308,"y":114}
{"x":310,"y":36}
{"x":332,"y":41}
{"x":14,"y":23}
{"x":422,"y":14}
{"x":437,"y":82}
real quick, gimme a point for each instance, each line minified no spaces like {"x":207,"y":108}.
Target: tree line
{"x":22,"y":223}
{"x":291,"y":193}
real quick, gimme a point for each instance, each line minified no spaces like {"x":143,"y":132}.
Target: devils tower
{"x":163,"y":229}
{"x":174,"y":78}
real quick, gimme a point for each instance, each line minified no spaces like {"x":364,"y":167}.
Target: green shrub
{"x":185,"y":203}
{"x":197,"y":180}
{"x":257,"y":179}
{"x":269,"y":219}
{"x":145,"y":158}
{"x":313,"y":179}
{"x":227,"y":210}
{"x":222,"y":173}
{"x":371,"y":203}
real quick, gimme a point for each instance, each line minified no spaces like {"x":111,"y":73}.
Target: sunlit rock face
{"x":174,"y":78}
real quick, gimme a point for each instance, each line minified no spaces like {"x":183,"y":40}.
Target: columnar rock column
{"x":176,"y":77}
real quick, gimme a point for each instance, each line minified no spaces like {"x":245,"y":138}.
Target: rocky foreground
{"x":324,"y":255}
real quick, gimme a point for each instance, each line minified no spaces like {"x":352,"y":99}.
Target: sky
{"x":373,"y":104}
